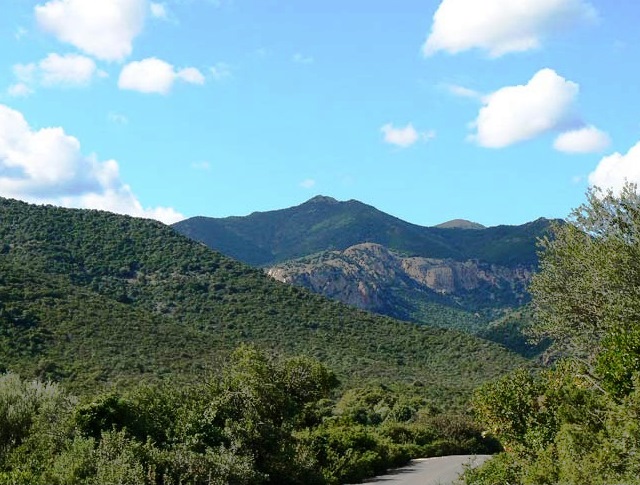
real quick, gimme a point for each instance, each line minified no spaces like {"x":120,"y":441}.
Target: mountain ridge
{"x":456,"y":275}
{"x":323,"y":223}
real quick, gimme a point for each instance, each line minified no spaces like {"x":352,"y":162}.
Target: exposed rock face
{"x":368,"y":275}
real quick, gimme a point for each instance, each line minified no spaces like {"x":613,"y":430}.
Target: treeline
{"x":261,"y":420}
{"x":578,"y":422}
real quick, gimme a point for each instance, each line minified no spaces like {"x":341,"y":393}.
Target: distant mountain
{"x":325,"y":224}
{"x":455,"y":275}
{"x":460,"y":224}
{"x":100,"y":300}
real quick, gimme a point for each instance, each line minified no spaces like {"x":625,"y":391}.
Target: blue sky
{"x":497,"y":111}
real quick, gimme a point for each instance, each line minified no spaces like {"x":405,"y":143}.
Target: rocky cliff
{"x":373,"y":277}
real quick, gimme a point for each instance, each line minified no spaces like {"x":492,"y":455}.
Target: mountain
{"x":455,"y":275}
{"x":325,"y":224}
{"x":460,"y":224}
{"x":100,"y":300}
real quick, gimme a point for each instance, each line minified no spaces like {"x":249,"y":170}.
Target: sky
{"x":496,"y":111}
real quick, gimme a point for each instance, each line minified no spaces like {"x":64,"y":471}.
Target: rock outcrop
{"x":369,"y":275}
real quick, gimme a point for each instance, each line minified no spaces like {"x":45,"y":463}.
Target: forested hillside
{"x":323,"y":223}
{"x":93,"y":299}
{"x":457,"y":275}
{"x":145,"y":332}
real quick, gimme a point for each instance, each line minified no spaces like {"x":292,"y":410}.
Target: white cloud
{"x":47,"y":166}
{"x":584,"y":140}
{"x":517,"y":113}
{"x":190,"y":75}
{"x":70,"y":70}
{"x":220,"y":71}
{"x":154,"y":75}
{"x":615,"y":170}
{"x":404,"y":137}
{"x":19,"y":90}
{"x":67,"y":70}
{"x":102,"y":28}
{"x":307,"y":183}
{"x":501,"y":26}
{"x":158,"y":10}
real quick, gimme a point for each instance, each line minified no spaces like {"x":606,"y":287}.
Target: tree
{"x":577,"y":422}
{"x":588,"y":285}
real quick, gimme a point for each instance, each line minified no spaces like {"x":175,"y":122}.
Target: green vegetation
{"x":307,"y":243}
{"x":578,"y":422}
{"x":100,"y":301}
{"x":263,"y":420}
{"x":322,"y":223}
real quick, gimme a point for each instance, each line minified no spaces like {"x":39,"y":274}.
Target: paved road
{"x":443,"y":470}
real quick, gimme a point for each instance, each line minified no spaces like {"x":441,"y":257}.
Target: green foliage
{"x":577,"y":423}
{"x":313,"y":235}
{"x":101,"y":301}
{"x":322,"y":223}
{"x":589,"y":273}
{"x":249,"y":425}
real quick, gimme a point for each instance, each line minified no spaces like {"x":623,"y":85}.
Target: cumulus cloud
{"x":404,"y":137}
{"x":104,"y":29}
{"x":615,"y":170}
{"x":501,"y":26}
{"x":154,"y":75}
{"x":307,"y":183}
{"x":190,"y":75}
{"x":588,"y":139}
{"x":517,"y":113}
{"x":70,"y":70}
{"x":67,"y":70}
{"x":47,"y":166}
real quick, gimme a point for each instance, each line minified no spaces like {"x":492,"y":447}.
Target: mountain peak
{"x":460,"y":224}
{"x":322,"y":199}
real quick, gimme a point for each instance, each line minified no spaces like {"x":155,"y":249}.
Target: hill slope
{"x":455,"y":275}
{"x":98,"y":299}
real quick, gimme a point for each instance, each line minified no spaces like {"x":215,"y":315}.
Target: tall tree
{"x":588,"y":286}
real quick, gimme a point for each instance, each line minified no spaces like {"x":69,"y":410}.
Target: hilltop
{"x":323,"y":223}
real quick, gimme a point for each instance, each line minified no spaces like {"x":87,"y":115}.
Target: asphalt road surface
{"x":443,"y":470}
